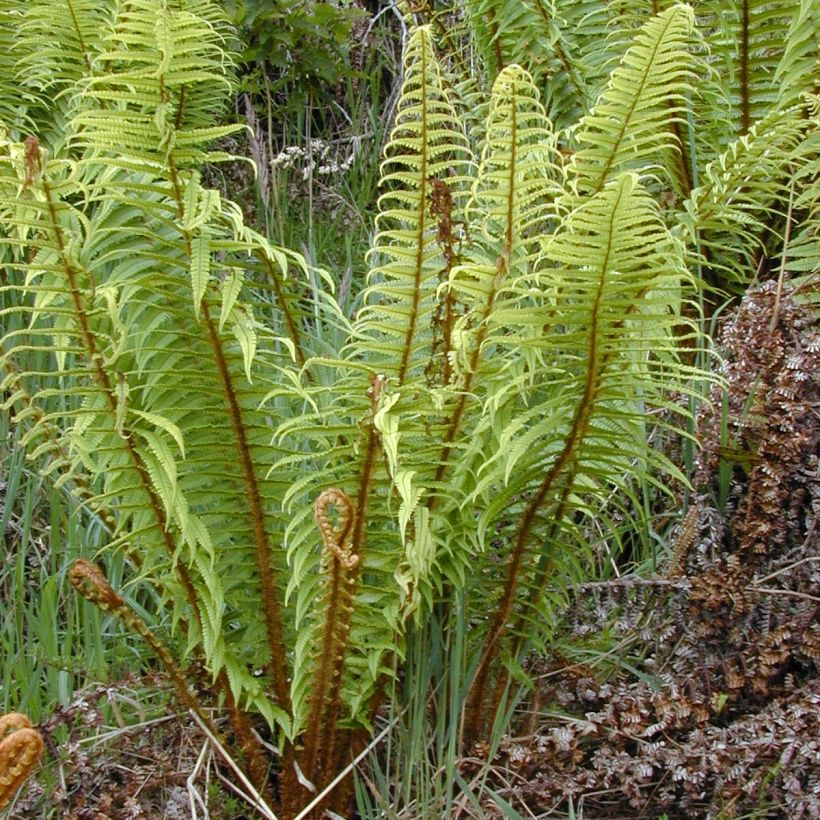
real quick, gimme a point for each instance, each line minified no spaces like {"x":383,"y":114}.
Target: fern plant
{"x":298,"y":503}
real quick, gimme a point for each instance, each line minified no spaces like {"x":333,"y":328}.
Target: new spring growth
{"x":20,"y":748}
{"x":91,"y":584}
{"x":336,"y":537}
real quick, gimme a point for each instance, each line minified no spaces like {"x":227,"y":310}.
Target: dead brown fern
{"x":723,"y":719}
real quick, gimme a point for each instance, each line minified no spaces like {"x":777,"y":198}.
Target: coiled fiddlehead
{"x":20,"y":748}
{"x":339,"y":564}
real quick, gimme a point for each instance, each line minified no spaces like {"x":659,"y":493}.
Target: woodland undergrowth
{"x":360,"y":457}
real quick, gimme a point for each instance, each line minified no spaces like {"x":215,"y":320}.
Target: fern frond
{"x":801,"y":256}
{"x":748,"y":38}
{"x":728,"y":217}
{"x":427,"y":146}
{"x":630,"y":125}
{"x":149,"y":390}
{"x":514,"y":200}
{"x":563,"y":46}
{"x":60,"y":43}
{"x":166,"y":81}
{"x":13,"y":99}
{"x":798,"y":71}
{"x":616,"y":274}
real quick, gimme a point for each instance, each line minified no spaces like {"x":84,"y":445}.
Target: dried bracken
{"x":726,"y":716}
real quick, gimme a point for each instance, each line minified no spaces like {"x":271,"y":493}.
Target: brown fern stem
{"x":441,"y":209}
{"x":474,"y":714}
{"x":275,"y":631}
{"x":326,"y":761}
{"x":90,"y":583}
{"x":334,"y":642}
{"x":267,"y":577}
{"x":461,"y":402}
{"x":745,"y":112}
{"x":79,"y":33}
{"x":338,"y":564}
{"x":264,"y":564}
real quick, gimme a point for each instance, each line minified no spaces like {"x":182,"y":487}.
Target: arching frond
{"x":136,"y":286}
{"x":424,"y":172}
{"x":608,"y":309}
{"x":630,"y":125}
{"x":166,"y":80}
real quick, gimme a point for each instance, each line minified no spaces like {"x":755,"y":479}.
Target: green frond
{"x":801,"y":254}
{"x":607,"y":346}
{"x":513,"y":202}
{"x":165,"y":79}
{"x":728,"y":217}
{"x":147,"y":390}
{"x":547,"y":41}
{"x":60,"y":43}
{"x":13,"y":99}
{"x":426,"y":157}
{"x":799,"y":69}
{"x":519,"y":182}
{"x":748,"y":39}
{"x":602,"y":313}
{"x":630,"y":127}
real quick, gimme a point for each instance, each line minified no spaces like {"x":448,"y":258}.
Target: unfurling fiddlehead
{"x":335,"y":515}
{"x":20,"y":749}
{"x":90,"y":582}
{"x":336,"y":537}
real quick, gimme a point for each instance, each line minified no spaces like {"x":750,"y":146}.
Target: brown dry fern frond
{"x":723,"y":717}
